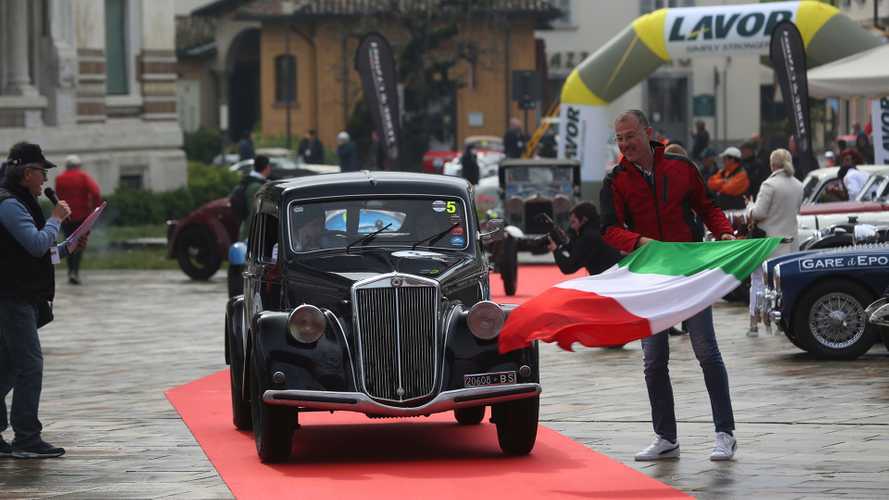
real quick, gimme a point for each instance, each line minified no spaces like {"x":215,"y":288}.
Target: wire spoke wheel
{"x":837,"y":320}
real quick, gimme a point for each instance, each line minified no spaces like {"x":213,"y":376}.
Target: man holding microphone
{"x":28,"y":251}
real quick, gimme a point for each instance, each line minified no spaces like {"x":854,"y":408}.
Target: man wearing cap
{"x":82,"y":194}
{"x":731,"y":183}
{"x":27,"y":287}
{"x":756,"y":171}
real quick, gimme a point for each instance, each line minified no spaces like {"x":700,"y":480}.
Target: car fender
{"x":234,"y":327}
{"x":217,"y":217}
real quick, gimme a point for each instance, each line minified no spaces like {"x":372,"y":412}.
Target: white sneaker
{"x":725,"y":447}
{"x":659,"y":449}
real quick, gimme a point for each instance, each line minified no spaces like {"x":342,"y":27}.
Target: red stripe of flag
{"x":566,"y":316}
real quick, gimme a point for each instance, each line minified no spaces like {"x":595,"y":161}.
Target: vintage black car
{"x":818,"y":298}
{"x":368,"y":292}
{"x":537,"y":196}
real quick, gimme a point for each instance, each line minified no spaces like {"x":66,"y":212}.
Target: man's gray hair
{"x":638,"y":114}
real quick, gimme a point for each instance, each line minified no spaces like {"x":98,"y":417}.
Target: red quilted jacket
{"x":631,"y":207}
{"x":80,"y":191}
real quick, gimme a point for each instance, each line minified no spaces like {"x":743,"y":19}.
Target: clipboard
{"x":85,"y":226}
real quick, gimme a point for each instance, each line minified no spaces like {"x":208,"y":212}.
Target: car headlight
{"x":485,"y":319}
{"x":776,"y":280}
{"x":306,"y":324}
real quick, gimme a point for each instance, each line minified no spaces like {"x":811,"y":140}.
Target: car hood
{"x":842,"y":207}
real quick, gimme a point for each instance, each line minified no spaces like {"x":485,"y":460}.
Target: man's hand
{"x":643,"y":241}
{"x":80,"y":245}
{"x":727,"y":236}
{"x":551,"y":245}
{"x":61,"y":211}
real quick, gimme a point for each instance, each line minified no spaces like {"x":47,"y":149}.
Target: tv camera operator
{"x":584,"y":246}
{"x":28,"y":251}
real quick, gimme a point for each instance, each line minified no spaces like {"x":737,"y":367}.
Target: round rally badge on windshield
{"x":457,"y":241}
{"x":438,"y":205}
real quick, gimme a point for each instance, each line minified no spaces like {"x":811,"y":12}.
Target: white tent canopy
{"x":865,"y":74}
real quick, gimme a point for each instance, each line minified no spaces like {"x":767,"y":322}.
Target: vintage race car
{"x":536,"y":199}
{"x":200,"y":241}
{"x":818,"y":298}
{"x":368,"y":292}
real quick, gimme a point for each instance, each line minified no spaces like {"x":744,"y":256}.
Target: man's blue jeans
{"x":21,"y":369}
{"x":656,"y":356}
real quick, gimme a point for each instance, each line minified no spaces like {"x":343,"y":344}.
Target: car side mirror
{"x":492,"y":231}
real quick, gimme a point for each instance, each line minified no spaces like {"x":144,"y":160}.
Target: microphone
{"x":51,"y":196}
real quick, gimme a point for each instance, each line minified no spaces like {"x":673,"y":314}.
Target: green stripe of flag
{"x":737,"y":257}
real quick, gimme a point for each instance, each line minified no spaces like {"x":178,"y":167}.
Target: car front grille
{"x":396,"y":331}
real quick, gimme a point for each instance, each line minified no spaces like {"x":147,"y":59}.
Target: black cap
{"x":26,"y":153}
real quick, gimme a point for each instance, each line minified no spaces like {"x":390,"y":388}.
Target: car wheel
{"x":197,"y":255}
{"x":516,"y":423}
{"x":884,"y":335}
{"x":469,"y":416}
{"x":830,"y":323}
{"x":241,"y":413}
{"x":273,"y":426}
{"x":509,"y":265}
{"x":793,"y":340}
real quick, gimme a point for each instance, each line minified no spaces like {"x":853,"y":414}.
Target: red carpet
{"x":533,"y":279}
{"x":346,"y":455}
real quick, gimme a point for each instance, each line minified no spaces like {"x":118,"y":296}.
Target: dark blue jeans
{"x":656,"y":356}
{"x":21,"y":369}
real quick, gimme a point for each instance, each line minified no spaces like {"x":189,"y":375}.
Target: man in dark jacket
{"x":585,"y":246}
{"x":756,"y":171}
{"x":649,"y":196}
{"x":310,"y":149}
{"x":469,"y":165}
{"x":514,"y":140}
{"x":347,"y":153}
{"x":28,"y":251}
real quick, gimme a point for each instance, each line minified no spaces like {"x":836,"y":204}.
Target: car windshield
{"x":547,"y":180}
{"x":401,"y":221}
{"x":809,"y":186}
{"x":875,"y":189}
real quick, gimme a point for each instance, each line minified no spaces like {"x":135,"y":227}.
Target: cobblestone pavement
{"x":806,"y":428}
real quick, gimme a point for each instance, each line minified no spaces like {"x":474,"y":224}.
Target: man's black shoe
{"x":675,"y":331}
{"x":40,"y":449}
{"x":5,"y":449}
{"x":73,"y":279}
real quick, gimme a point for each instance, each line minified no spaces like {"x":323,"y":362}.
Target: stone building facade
{"x":321,"y":36}
{"x":95,"y":78}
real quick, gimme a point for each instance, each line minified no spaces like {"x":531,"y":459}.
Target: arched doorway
{"x":242,"y":67}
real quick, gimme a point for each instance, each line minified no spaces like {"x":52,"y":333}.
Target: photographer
{"x":28,"y":251}
{"x":585,"y":248}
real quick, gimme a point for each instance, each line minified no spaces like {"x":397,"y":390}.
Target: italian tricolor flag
{"x":650,"y":290}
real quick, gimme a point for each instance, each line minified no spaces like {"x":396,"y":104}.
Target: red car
{"x":200,"y":240}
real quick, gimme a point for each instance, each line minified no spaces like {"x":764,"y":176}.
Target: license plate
{"x":493,"y":378}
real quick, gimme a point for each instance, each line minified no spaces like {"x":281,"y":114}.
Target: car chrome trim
{"x":397,"y":282}
{"x":359,"y":402}
{"x":331,"y":316}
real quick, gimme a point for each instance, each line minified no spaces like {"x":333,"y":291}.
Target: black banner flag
{"x":788,"y":56}
{"x":376,"y":66}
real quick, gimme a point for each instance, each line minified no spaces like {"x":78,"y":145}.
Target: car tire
{"x":793,"y":340}
{"x":469,"y":416}
{"x":884,"y":336}
{"x":516,"y":423}
{"x":509,"y":265}
{"x":242,"y":417}
{"x":196,"y":253}
{"x":273,"y":426}
{"x":821,"y":316}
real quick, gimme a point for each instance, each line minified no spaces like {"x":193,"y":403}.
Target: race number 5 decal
{"x":451,"y":207}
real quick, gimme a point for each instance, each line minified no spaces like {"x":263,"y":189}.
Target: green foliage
{"x":128,"y":207}
{"x":203,"y":145}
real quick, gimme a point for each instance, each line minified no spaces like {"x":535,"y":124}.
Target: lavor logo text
{"x":572,"y":129}
{"x":724,"y":26}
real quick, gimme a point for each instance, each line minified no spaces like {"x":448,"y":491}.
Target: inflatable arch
{"x":664,"y":34}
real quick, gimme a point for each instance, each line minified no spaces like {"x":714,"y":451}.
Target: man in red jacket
{"x":649,"y":196}
{"x":82,"y":194}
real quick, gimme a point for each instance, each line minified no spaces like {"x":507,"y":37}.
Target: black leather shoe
{"x":40,"y":449}
{"x":5,"y":449}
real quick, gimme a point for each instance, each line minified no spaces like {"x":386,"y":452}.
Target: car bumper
{"x":362,"y":403}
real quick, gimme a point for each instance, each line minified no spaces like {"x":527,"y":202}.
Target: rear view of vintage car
{"x":368,"y":292}
{"x":818,"y":298}
{"x":537,"y":196}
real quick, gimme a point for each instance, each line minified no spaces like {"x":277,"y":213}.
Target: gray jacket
{"x":777,"y":206}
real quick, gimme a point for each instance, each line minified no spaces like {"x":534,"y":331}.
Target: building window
{"x":566,"y":19}
{"x":285,"y":79}
{"x":116,"y":81}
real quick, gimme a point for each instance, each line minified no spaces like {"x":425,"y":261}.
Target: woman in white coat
{"x":775,"y":212}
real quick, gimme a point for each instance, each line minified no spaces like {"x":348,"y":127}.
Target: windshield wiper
{"x":367,"y":238}
{"x":435,"y":237}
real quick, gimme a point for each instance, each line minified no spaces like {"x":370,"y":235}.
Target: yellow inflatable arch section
{"x":666,"y":34}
